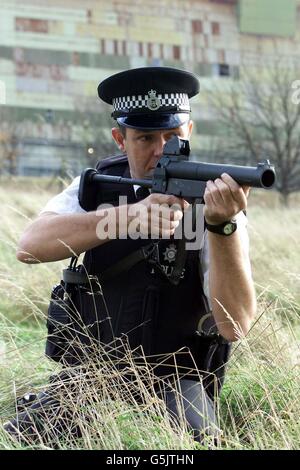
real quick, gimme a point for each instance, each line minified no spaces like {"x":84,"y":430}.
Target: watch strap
{"x":226,"y":228}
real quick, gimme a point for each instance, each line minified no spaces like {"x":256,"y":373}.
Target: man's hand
{"x":158,"y":215}
{"x":224,"y":198}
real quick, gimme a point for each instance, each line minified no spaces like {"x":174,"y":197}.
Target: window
{"x":116,"y":47}
{"x":215,"y":28}
{"x":161,"y":51}
{"x":221,"y":70}
{"x":141,"y":49}
{"x":224,"y":70}
{"x":150,"y":50}
{"x":102,"y":46}
{"x":89,"y":15}
{"x":176,"y":52}
{"x":197,"y":26}
{"x":32,"y":25}
{"x":75,"y":58}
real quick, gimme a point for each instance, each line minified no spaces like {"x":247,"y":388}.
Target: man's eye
{"x":174,"y":134}
{"x":145,"y":138}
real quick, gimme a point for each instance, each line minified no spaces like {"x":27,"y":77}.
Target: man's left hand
{"x":224,"y":198}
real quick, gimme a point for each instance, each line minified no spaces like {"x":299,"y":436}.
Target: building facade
{"x":54,"y":53}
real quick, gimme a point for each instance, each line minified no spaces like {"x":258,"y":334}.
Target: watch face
{"x":228,"y":229}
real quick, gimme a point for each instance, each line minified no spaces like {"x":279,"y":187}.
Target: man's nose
{"x":159,"y":145}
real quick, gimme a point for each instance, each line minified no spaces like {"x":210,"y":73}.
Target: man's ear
{"x":190,"y":128}
{"x":118,"y":138}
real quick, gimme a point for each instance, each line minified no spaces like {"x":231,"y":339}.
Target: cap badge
{"x":153,"y":101}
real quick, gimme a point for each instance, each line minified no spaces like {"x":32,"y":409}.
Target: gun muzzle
{"x":262,"y":176}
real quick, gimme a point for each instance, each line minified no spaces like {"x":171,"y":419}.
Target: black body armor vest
{"x":140,"y":306}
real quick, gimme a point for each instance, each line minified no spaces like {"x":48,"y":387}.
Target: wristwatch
{"x":226,"y":228}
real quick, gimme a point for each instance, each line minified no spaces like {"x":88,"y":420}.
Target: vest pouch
{"x":93,"y":321}
{"x":211,"y":355}
{"x":60,"y":327}
{"x":150,"y":312}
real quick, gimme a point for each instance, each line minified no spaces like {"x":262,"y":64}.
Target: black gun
{"x":175,"y":174}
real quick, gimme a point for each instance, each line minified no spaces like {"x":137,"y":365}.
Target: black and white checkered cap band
{"x":153,"y":102}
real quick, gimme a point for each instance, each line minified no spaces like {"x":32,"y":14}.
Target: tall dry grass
{"x":259,"y":405}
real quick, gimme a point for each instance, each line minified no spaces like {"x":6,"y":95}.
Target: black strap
{"x":182,"y":253}
{"x":71,"y":276}
{"x":75,"y":277}
{"x":128,"y":262}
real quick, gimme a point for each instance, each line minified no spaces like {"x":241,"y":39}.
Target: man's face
{"x":144,"y":148}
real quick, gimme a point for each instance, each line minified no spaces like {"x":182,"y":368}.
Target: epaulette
{"x":111,"y":161}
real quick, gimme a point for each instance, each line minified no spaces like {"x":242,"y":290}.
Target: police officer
{"x":150,"y":105}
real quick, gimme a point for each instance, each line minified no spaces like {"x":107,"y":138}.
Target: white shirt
{"x":67,"y":203}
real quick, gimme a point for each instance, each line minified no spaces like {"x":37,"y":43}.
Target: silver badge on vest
{"x":167,"y":264}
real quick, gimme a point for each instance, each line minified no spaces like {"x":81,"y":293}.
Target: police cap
{"x":150,"y":97}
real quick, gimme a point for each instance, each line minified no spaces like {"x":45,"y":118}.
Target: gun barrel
{"x":94,"y":176}
{"x":262,"y":176}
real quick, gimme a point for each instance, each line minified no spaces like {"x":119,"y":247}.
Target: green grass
{"x":259,"y":404}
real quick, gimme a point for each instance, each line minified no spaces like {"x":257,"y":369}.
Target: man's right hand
{"x":52,"y":237}
{"x":157,"y":215}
